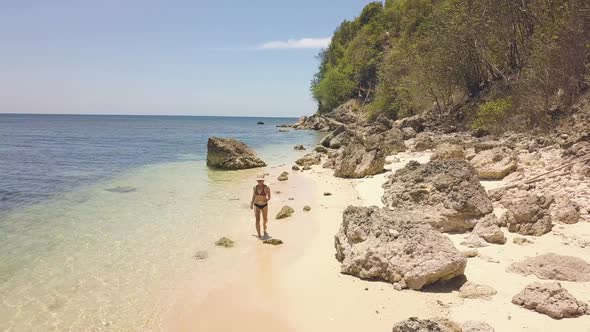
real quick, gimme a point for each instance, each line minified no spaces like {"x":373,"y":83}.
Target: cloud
{"x":303,"y":43}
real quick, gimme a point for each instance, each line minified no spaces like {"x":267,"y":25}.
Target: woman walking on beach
{"x":260,"y":198}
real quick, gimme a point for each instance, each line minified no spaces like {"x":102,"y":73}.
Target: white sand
{"x":298,"y":286}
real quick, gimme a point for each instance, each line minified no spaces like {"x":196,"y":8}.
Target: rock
{"x":307,"y":208}
{"x":413,"y":256}
{"x":306,"y":168}
{"x":357,"y":162}
{"x":390,"y":141}
{"x":201,"y":254}
{"x":259,"y":123}
{"x":320,"y":149}
{"x":341,"y":140}
{"x":528,"y":215}
{"x":447,"y":151}
{"x":494,"y":164}
{"x":470,"y":253}
{"x":449,"y":191}
{"x":284,"y":176}
{"x":274,"y":242}
{"x":309,"y":159}
{"x":550,"y":299}
{"x":565,"y":211}
{"x":121,"y":189}
{"x":488,"y":229}
{"x":423,"y":142}
{"x":471,"y":290}
{"x":285,"y":212}
{"x":326,"y":193}
{"x":521,"y":241}
{"x":553,"y":267}
{"x":414,"y":324}
{"x":473,"y":326}
{"x":229,"y":153}
{"x":327,"y":140}
{"x":409,"y":133}
{"x":474,"y":241}
{"x":283,"y":130}
{"x":224,"y":242}
{"x":295,"y":168}
{"x":488,"y":259}
{"x":415,"y":122}
{"x":299,"y":147}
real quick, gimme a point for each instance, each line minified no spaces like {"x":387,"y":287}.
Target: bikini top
{"x":258,"y":193}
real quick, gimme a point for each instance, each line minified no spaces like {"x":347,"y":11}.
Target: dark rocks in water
{"x":225,"y":242}
{"x":259,"y":123}
{"x":274,"y":242}
{"x":201,"y":254}
{"x":299,"y":147}
{"x":121,"y":189}
{"x":231,"y":154}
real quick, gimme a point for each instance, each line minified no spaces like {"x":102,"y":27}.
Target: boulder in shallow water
{"x":398,"y":247}
{"x":550,"y":299}
{"x":299,"y":147}
{"x":231,"y":154}
{"x":285,"y":212}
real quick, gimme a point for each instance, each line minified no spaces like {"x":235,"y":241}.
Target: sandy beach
{"x":298,"y":286}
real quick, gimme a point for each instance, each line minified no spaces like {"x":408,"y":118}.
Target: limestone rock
{"x":409,"y":133}
{"x":414,"y":324}
{"x":528,"y":215}
{"x":320,"y":149}
{"x":488,"y":229}
{"x":553,"y":267}
{"x":447,"y":151}
{"x":471,"y":290}
{"x":357,"y":162}
{"x":448,"y":190}
{"x":231,"y":154}
{"x":284,"y":176}
{"x":399,"y":247}
{"x":565,"y":211}
{"x":550,"y":299}
{"x":423,"y":142}
{"x":470,"y":253}
{"x":285,"y":212}
{"x":494,"y":164}
{"x":309,"y":159}
{"x":390,"y":141}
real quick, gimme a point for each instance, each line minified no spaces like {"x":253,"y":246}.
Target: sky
{"x":175,"y":57}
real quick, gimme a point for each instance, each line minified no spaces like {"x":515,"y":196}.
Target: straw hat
{"x":260,"y":177}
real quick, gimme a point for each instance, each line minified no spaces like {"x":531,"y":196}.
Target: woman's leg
{"x":257,"y":216}
{"x":264,"y":218}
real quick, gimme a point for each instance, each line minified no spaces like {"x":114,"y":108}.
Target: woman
{"x":260,"y":198}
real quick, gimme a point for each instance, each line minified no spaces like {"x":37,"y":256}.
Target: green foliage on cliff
{"x":407,"y":56}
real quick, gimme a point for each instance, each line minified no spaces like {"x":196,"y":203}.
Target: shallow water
{"x":77,"y":256}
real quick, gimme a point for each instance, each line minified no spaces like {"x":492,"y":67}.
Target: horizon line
{"x":184,"y":115}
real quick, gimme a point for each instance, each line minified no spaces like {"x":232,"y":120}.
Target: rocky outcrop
{"x":327,"y":140}
{"x":447,"y":190}
{"x":231,"y":154}
{"x":553,"y":267}
{"x":471,"y":290}
{"x":409,"y":133}
{"x":565,"y":211}
{"x":390,"y":141}
{"x":494,"y":164}
{"x":309,"y":159}
{"x":550,"y":299}
{"x":357,"y":162}
{"x":423,"y":142}
{"x":448,"y":151}
{"x":399,"y":247}
{"x":414,"y":324}
{"x":285,"y":212}
{"x":528,"y":215}
{"x":487,"y":228}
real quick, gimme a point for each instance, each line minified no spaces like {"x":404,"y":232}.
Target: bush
{"x":491,"y":116}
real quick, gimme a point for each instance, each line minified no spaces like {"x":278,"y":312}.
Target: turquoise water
{"x":76,"y":255}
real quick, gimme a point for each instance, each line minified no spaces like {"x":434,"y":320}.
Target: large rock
{"x":528,"y":215}
{"x":390,"y":141}
{"x":471,"y":290}
{"x":401,"y":248}
{"x":565,"y":211}
{"x":448,"y":190}
{"x":423,"y":142}
{"x":328,"y":138}
{"x":229,"y":153}
{"x":487,"y":228}
{"x":553,"y":267}
{"x":357,"y":162}
{"x":448,"y":151}
{"x":414,"y":324}
{"x":550,"y":299}
{"x":309,"y":159}
{"x":494,"y":164}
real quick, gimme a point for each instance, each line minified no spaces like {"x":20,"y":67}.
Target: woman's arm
{"x":267,"y":193}
{"x":252,"y":201}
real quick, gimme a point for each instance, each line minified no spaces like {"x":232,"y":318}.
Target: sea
{"x":100,"y":214}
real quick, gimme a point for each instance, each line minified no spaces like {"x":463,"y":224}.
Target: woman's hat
{"x":260,"y":177}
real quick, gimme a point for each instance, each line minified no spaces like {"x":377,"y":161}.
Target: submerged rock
{"x":224,"y":242}
{"x":121,"y":189}
{"x":554,"y":267}
{"x":299,"y":147}
{"x":231,"y":154}
{"x":285,"y":212}
{"x":494,"y":164}
{"x":550,"y":299}
{"x":401,"y":248}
